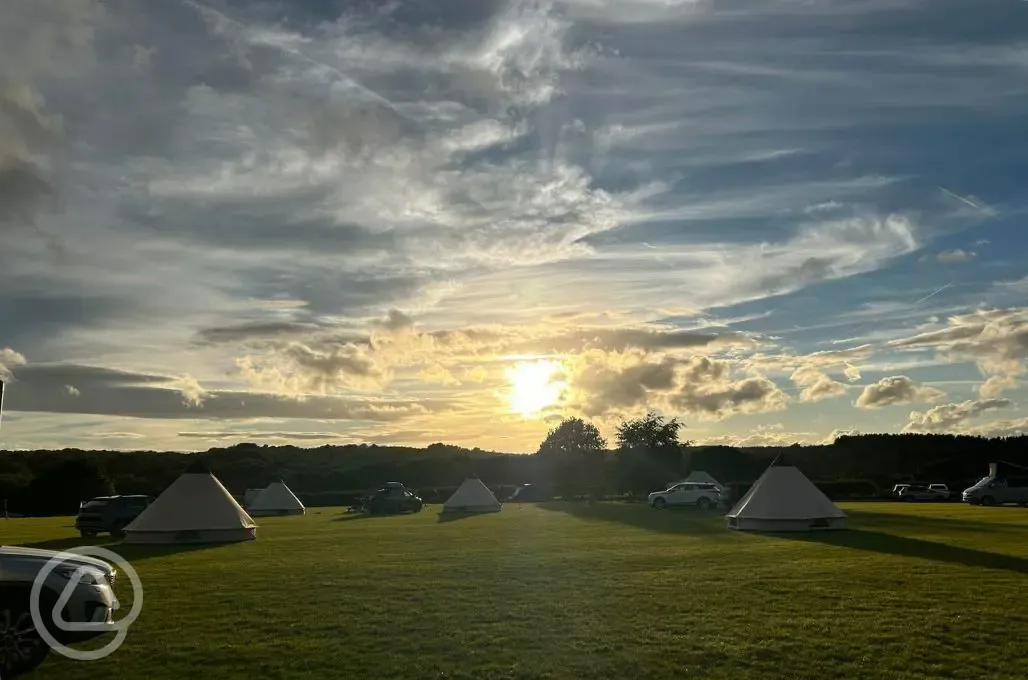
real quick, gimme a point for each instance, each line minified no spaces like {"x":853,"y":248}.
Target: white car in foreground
{"x":694,"y":494}
{"x":84,"y":586}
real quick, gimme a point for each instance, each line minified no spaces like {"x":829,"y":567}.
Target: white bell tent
{"x":783,"y":499}
{"x":277,"y":499}
{"x":701,"y":477}
{"x":472,"y":496}
{"x":196,"y":508}
{"x":250,"y":496}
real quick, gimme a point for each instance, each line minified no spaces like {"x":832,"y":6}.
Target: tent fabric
{"x":250,"y":496}
{"x":783,"y":499}
{"x":472,"y":496}
{"x":196,"y":508}
{"x":277,"y":499}
{"x":702,"y":477}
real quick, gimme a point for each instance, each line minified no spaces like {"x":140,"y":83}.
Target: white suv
{"x":686,"y":493}
{"x":90,"y":599}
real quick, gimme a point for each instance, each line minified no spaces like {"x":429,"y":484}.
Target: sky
{"x":320,"y":222}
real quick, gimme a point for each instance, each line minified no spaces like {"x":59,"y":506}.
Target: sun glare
{"x":534,"y":385}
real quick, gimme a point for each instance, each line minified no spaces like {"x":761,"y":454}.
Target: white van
{"x":997,"y":491}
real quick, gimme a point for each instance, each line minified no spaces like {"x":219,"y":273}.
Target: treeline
{"x":573,"y":460}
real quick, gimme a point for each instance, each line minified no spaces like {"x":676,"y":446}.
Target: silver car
{"x":91,"y":601}
{"x":697,"y":494}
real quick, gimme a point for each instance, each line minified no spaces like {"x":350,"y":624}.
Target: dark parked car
{"x":109,"y":514}
{"x":393,"y":499}
{"x":529,"y":493}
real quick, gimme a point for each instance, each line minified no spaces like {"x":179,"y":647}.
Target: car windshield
{"x":95,"y":504}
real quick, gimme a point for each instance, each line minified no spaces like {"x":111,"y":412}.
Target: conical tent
{"x":277,"y":499}
{"x":703,"y":478}
{"x":196,"y":508}
{"x":250,"y":496}
{"x":472,"y":496}
{"x":783,"y":499}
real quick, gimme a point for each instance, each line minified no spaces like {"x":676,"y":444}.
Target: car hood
{"x":47,"y":555}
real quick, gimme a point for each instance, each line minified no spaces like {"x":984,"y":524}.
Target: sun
{"x":534,"y":385}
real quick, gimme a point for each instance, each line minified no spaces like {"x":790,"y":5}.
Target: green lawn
{"x":569,"y":591}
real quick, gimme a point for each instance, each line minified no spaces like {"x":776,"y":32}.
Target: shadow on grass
{"x":130,"y":552}
{"x":354,"y":516}
{"x":889,"y":544}
{"x":444,"y":517}
{"x":888,"y":520}
{"x":642,"y":516}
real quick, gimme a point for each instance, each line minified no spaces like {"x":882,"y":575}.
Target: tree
{"x":649,"y":453}
{"x":60,"y":488}
{"x":573,"y":436}
{"x":574,"y":456}
{"x":652,"y":432}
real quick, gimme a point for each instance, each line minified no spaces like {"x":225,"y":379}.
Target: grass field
{"x":571,"y":591}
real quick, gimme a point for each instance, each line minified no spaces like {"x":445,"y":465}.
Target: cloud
{"x":255,"y":330}
{"x":116,"y":435}
{"x":852,"y":373}
{"x":954,"y":256}
{"x":707,"y":389}
{"x":816,"y":385}
{"x":476,"y":374}
{"x":896,"y":390}
{"x":830,"y":439}
{"x":763,"y":435}
{"x":9,"y":360}
{"x":996,"y":385}
{"x":40,"y":388}
{"x":298,"y":369}
{"x":603,"y":383}
{"x":996,"y":339}
{"x":1015,"y":427}
{"x":193,"y":394}
{"x":952,"y":418}
{"x":261,"y":435}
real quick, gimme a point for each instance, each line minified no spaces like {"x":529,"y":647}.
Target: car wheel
{"x":21,"y":646}
{"x":988,"y":500}
{"x":87,"y":534}
{"x":660,"y":504}
{"x":703,"y":503}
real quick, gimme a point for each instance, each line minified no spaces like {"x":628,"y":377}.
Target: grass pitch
{"x":572,"y":591}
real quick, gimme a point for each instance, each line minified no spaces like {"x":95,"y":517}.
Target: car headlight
{"x":87,"y":577}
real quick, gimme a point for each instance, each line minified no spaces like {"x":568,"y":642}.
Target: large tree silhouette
{"x":574,"y":457}
{"x":649,"y":454}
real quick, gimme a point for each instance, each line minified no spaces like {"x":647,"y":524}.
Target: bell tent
{"x":702,"y":477}
{"x":250,"y":496}
{"x":277,"y":499}
{"x":783,"y":499}
{"x":196,"y":508}
{"x":472,"y":496}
